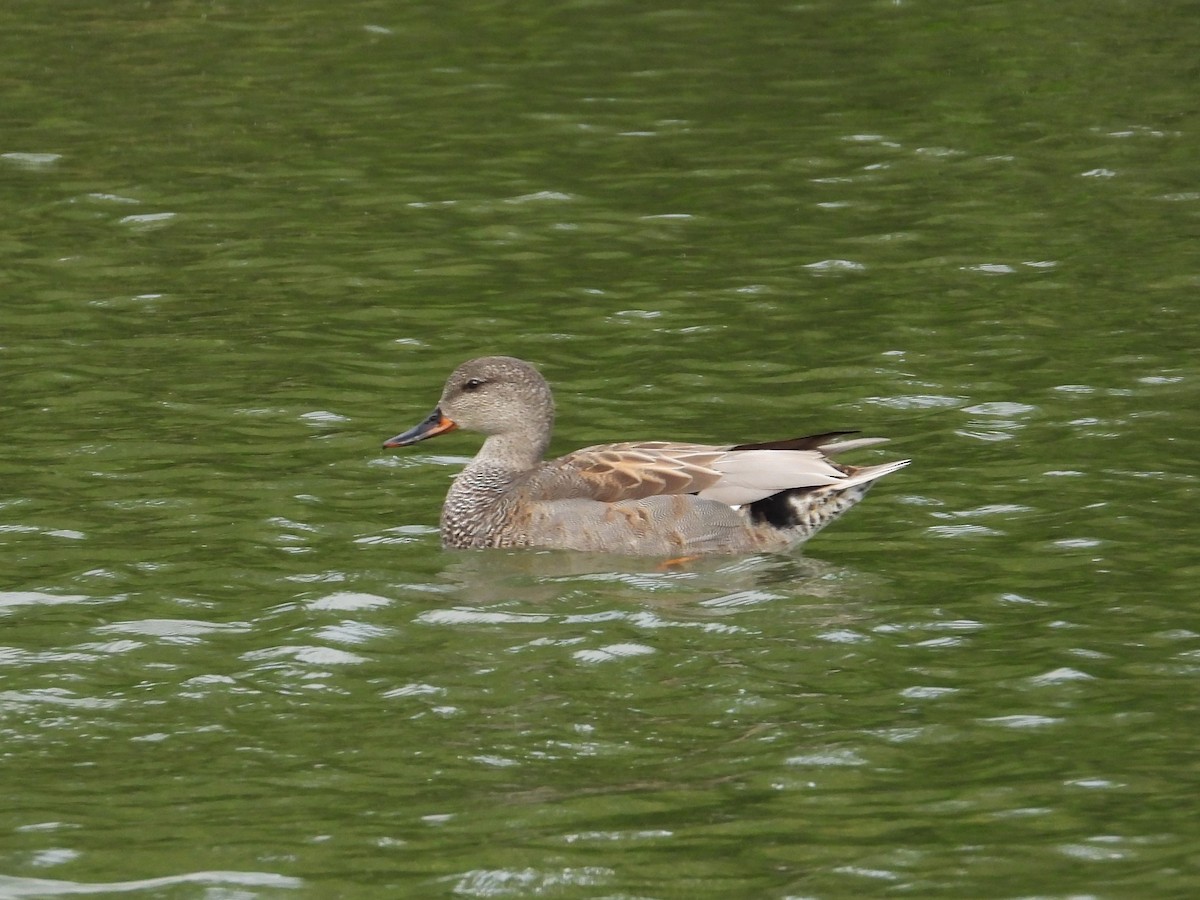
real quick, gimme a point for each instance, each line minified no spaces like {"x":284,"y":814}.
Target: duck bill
{"x":436,"y":424}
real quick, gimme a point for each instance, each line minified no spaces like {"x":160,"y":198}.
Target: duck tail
{"x":802,"y":512}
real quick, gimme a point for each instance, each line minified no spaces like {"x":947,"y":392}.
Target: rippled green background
{"x":242,"y":244}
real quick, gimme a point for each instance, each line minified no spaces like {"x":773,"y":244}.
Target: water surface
{"x":245,"y":245}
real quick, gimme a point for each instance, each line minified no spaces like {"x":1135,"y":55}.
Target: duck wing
{"x":750,"y":475}
{"x":635,"y":470}
{"x":735,"y":476}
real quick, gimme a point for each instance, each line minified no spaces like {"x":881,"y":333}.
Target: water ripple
{"x":527,"y":882}
{"x":613,"y":652}
{"x":43,"y":887}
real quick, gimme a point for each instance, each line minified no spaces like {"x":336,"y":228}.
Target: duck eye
{"x":473,"y":384}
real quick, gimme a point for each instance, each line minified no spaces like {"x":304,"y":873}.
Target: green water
{"x":242,"y":244}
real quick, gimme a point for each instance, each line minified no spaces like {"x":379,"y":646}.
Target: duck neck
{"x":515,"y":452}
{"x":482,"y":486}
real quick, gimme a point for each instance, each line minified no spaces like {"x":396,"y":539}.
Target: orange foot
{"x":677,"y":562}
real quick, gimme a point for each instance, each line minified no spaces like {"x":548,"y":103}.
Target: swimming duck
{"x":649,"y":498}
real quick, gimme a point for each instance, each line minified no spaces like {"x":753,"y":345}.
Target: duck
{"x":645,"y":498}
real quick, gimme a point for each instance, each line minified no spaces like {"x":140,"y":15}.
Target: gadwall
{"x":649,"y":498}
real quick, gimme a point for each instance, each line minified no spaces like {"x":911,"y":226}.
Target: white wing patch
{"x":750,"y":475}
